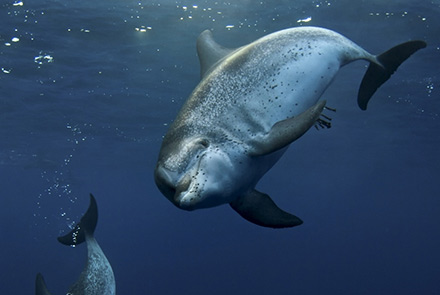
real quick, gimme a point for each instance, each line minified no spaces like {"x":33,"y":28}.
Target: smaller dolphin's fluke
{"x":40,"y":286}
{"x":376,"y":74}
{"x":259,"y":208}
{"x":86,"y":225}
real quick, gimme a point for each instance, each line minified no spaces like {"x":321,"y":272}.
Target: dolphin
{"x":97,"y":277}
{"x":250,"y":105}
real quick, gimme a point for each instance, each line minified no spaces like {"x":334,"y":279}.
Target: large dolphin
{"x":250,"y":104}
{"x":97,"y":276}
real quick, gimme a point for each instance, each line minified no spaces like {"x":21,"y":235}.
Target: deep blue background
{"x":92,"y":120}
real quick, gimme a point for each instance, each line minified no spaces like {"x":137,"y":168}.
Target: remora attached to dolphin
{"x":97,"y":277}
{"x":251,"y":103}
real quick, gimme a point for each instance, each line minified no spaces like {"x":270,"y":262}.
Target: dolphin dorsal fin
{"x":209,"y":52}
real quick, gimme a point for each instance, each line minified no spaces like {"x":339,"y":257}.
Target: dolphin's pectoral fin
{"x":389,"y":61}
{"x":209,"y":52}
{"x":86,"y":225}
{"x":285,"y":132}
{"x":259,"y":208}
{"x":40,"y":286}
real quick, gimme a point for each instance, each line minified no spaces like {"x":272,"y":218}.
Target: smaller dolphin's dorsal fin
{"x":86,"y":226}
{"x":40,"y":286}
{"x":209,"y":52}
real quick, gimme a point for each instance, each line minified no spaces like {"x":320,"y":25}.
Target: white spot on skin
{"x":304,"y":20}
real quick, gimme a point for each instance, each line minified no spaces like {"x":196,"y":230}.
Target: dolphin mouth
{"x":180,"y":198}
{"x":178,"y":193}
{"x":181,"y":190}
{"x":186,"y":196}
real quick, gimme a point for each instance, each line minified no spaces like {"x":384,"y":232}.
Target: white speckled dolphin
{"x":251,"y":103}
{"x":97,"y":276}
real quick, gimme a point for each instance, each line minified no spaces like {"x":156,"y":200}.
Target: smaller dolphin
{"x":97,"y":276}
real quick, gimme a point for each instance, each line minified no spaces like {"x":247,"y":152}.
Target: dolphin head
{"x":195,"y":173}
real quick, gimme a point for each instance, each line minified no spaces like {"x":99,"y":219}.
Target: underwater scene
{"x":220,"y":147}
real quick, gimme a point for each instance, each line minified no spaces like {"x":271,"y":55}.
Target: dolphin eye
{"x":203,"y":142}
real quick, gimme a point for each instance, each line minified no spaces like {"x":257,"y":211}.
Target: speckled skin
{"x":204,"y":160}
{"x":97,"y":277}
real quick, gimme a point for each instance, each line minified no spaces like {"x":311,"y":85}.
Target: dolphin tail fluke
{"x":86,"y":226}
{"x":259,"y":208}
{"x":40,"y":286}
{"x":379,"y":73}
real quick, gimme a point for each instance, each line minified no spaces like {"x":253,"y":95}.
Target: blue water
{"x":88,"y":89}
